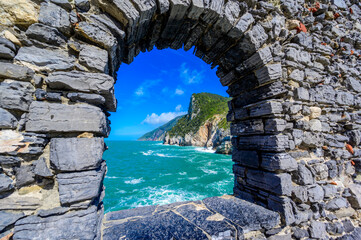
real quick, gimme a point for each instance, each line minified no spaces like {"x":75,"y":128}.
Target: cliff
{"x":205,"y":125}
{"x":158,"y":134}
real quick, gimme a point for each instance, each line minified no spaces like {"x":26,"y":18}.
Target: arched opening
{"x":156,"y":90}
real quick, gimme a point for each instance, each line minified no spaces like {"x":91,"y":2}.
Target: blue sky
{"x":157,"y":87}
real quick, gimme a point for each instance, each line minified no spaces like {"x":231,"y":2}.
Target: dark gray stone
{"x":315,"y":193}
{"x":303,"y":176}
{"x":8,"y":44}
{"x":55,"y":16}
{"x":247,"y":215}
{"x":246,"y":158}
{"x":9,"y":160}
{"x":8,"y":219}
{"x":80,"y":224}
{"x":85,"y":82}
{"x":275,"y":125}
{"x":280,"y":184}
{"x":94,"y":58}
{"x":334,"y":228}
{"x":278,"y":161}
{"x":317,"y":230}
{"x":80,"y":186}
{"x":45,"y":34}
{"x":355,"y":195}
{"x":247,"y":127}
{"x":54,"y":117}
{"x":336,"y":204}
{"x":339,"y":3}
{"x":131,"y":213}
{"x":76,"y":154}
{"x":6,"y":184}
{"x":46,"y":59}
{"x":62,"y":3}
{"x":242,"y":26}
{"x":83,"y":5}
{"x":24,"y":175}
{"x":41,"y":169}
{"x":7,"y":120}
{"x":167,"y":225}
{"x":276,"y":143}
{"x":16,"y":95}
{"x":299,"y":233}
{"x":53,"y":211}
{"x":6,"y":53}
{"x":330,"y":190}
{"x":14,"y":71}
{"x":90,"y":98}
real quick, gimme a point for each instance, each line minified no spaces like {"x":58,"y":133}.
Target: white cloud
{"x":190,"y":76}
{"x":179,"y":92}
{"x":162,"y":118}
{"x":139,"y":91}
{"x":142,"y":89}
{"x":178,"y":107}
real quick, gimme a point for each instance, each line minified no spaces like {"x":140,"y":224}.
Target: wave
{"x":111,"y":177}
{"x":134,"y":181}
{"x":205,"y":150}
{"x":149,"y":152}
{"x":182,"y":173}
{"x":208,"y":171}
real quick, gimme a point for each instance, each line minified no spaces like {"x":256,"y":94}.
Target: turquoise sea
{"x":148,"y":173}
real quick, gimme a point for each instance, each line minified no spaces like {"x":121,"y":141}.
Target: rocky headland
{"x":205,"y":125}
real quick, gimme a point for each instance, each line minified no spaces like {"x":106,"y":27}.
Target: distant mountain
{"x":205,"y":125}
{"x":158,"y":134}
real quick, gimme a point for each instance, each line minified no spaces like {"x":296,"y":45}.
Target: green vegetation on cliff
{"x":157,"y":133}
{"x":202,"y":107}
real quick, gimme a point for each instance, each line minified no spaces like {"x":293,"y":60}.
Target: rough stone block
{"x":283,"y":205}
{"x":6,"y":53}
{"x":80,"y":224}
{"x":337,"y":203}
{"x":19,"y":202}
{"x":53,"y":117}
{"x":45,"y":59}
{"x":355,"y":198}
{"x":80,"y":186}
{"x":46,"y":34}
{"x":69,"y":154}
{"x":85,"y":82}
{"x":303,"y":176}
{"x":24,"y":175}
{"x":98,"y":35}
{"x":13,"y":71}
{"x":278,"y":161}
{"x":242,"y":26}
{"x":247,"y":127}
{"x":7,"y":120}
{"x":275,"y":125}
{"x":41,"y":169}
{"x":265,"y":143}
{"x":16,"y":95}
{"x":9,"y":218}
{"x":6,"y":183}
{"x":254,"y":39}
{"x":94,"y":58}
{"x":55,"y":16}
{"x":246,"y":158}
{"x":264,"y":108}
{"x":90,"y":98}
{"x":315,"y":193}
{"x":269,"y":73}
{"x":9,"y":160}
{"x":280,"y":184}
{"x":318,"y":230}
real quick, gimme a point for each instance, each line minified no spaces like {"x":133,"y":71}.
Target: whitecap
{"x":134,"y":181}
{"x":149,"y":152}
{"x":182,"y":173}
{"x":205,"y":150}
{"x":111,"y":177}
{"x":208,"y":171}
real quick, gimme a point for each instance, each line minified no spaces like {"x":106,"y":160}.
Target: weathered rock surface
{"x":67,"y":154}
{"x":6,"y":183}
{"x":9,"y":218}
{"x":94,"y":58}
{"x":7,"y":120}
{"x":55,"y":16}
{"x":80,"y":186}
{"x":41,"y":169}
{"x":19,"y":202}
{"x":74,"y":225}
{"x":45,"y":59}
{"x":24,"y":175}
{"x":45,"y":34}
{"x":85,"y":82}
{"x":16,"y":95}
{"x":14,"y":71}
{"x":53,"y":117}
{"x":219,"y":217}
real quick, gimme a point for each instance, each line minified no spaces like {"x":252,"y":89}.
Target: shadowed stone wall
{"x":292,"y":69}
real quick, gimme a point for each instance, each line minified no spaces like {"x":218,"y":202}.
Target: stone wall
{"x":292,"y":68}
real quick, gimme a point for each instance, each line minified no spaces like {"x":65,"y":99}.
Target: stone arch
{"x":58,"y":70}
